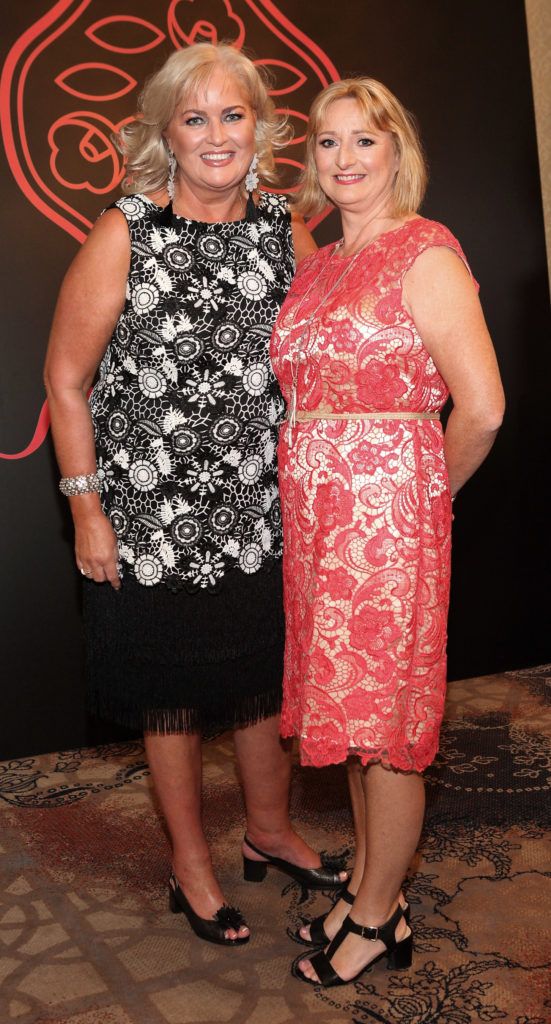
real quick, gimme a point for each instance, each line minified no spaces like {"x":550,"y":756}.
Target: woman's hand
{"x":96,"y":550}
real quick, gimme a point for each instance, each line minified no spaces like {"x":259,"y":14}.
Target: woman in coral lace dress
{"x":376,"y":332}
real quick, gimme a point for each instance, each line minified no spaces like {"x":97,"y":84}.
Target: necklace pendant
{"x":293,"y":406}
{"x":292,"y":413}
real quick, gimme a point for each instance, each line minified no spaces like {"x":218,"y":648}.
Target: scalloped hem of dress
{"x":179,"y":585}
{"x":313,"y":756}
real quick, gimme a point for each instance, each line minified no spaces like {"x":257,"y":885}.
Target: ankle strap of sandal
{"x":383,"y":932}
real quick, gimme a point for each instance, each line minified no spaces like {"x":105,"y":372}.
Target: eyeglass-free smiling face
{"x":212,"y":136}
{"x":356,"y":164}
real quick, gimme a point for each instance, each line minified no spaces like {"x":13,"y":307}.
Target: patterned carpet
{"x":86,"y":936}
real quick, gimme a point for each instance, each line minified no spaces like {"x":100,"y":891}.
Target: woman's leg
{"x":265,"y":769}
{"x":176,"y":767}
{"x":341,"y":909}
{"x":394,"y":809}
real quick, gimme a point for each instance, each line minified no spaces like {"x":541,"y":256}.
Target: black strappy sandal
{"x":325,"y":877}
{"x":398,"y":954}
{"x":317,"y":931}
{"x":318,"y":937}
{"x":210,"y":929}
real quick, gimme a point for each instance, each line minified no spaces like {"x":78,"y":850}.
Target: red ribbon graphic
{"x":38,"y":437}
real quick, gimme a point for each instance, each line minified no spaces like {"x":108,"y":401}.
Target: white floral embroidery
{"x":163,"y":279}
{"x":143,"y":475}
{"x":186,"y":409}
{"x":252,"y":285}
{"x":156,"y":241}
{"x":145,"y":297}
{"x":269,"y":451}
{"x":204,"y":388}
{"x":255,"y":379}
{"x":208,"y":568}
{"x":250,"y":558}
{"x":122,"y":458}
{"x":173,"y":419}
{"x":149,"y":570}
{"x":204,"y":478}
{"x":132,"y":207}
{"x":164,"y":462}
{"x":233,"y":457}
{"x":206,"y":295}
{"x":151,"y":382}
{"x":234,"y":366}
{"x":126,"y":552}
{"x":167,"y":554}
{"x":166,"y":513}
{"x":250,"y":469}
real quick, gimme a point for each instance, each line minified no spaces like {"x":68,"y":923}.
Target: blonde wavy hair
{"x":383,"y":111}
{"x":181,"y":77}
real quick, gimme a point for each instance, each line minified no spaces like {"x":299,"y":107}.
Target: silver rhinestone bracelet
{"x":71,"y":485}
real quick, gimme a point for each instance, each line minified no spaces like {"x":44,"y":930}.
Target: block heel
{"x":401,"y":956}
{"x":254,"y":870}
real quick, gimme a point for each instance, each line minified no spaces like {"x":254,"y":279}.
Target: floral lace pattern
{"x":186,"y":409}
{"x":366,"y":512}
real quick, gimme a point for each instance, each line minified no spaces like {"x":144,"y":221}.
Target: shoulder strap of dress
{"x":135,"y":209}
{"x":430,"y":234}
{"x":274,"y":205}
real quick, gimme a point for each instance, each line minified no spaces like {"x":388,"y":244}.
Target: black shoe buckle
{"x":369,"y":932}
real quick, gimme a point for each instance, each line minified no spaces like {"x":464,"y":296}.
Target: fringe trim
{"x":209,"y":722}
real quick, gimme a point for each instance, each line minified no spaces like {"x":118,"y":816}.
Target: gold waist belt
{"x":305,"y":415}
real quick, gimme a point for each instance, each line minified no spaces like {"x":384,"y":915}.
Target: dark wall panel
{"x":463,"y":68}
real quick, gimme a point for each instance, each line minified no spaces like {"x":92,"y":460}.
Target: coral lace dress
{"x":366,"y":510}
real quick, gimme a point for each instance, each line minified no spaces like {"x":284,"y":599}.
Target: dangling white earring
{"x":172,"y":165}
{"x":251,"y":178}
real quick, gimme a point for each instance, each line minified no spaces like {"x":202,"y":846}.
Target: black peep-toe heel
{"x":209,"y":929}
{"x":325,"y":877}
{"x":398,"y":953}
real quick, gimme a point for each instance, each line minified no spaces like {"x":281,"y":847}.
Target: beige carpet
{"x":86,"y":936}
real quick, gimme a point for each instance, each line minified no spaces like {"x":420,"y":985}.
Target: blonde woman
{"x":376,"y":331}
{"x":170,"y":467}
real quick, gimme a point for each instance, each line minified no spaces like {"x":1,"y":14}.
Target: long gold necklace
{"x":297,"y":354}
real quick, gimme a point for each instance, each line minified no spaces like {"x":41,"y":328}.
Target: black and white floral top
{"x":186,"y":409}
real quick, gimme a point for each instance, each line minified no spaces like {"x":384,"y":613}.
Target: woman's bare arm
{"x":303,"y":242}
{"x":90,"y":301}
{"x":441,"y":298}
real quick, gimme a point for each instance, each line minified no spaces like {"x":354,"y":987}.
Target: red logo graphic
{"x":57,"y":120}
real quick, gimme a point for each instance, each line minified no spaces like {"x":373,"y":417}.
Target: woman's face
{"x":356,"y":164}
{"x":212,"y":135}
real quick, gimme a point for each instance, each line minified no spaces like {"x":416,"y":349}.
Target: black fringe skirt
{"x":168,"y":662}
